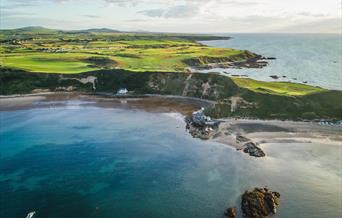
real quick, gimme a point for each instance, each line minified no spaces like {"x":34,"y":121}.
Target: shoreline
{"x":257,"y":131}
{"x":150,"y":103}
{"x":263,"y":132}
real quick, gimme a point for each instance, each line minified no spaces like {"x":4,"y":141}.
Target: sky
{"x":185,"y":16}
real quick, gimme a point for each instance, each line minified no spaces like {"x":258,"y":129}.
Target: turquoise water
{"x":86,"y":161}
{"x":314,"y":58}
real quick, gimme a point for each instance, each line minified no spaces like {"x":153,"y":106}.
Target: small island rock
{"x":259,"y":203}
{"x":253,"y":150}
{"x":231,"y":212}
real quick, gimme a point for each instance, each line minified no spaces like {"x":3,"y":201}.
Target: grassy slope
{"x":154,"y":52}
{"x":48,"y":62}
{"x":277,"y":88}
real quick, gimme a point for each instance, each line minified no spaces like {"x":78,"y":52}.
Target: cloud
{"x":179,"y":11}
{"x":12,"y":14}
{"x":153,"y":12}
{"x":91,"y":16}
{"x":19,"y":4}
{"x":193,"y":8}
{"x":328,"y":25}
{"x":179,"y":15}
{"x":182,"y":11}
{"x":239,"y":3}
{"x":308,"y":14}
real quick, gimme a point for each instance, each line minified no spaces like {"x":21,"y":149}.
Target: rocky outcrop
{"x":274,"y":77}
{"x":253,"y":150}
{"x":241,"y":139}
{"x":231,"y":212}
{"x":244,"y":60}
{"x":249,"y":147}
{"x":201,"y":126}
{"x":202,"y":132}
{"x":259,"y":203}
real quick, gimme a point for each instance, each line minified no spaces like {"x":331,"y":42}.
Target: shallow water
{"x":315,"y":58}
{"x":82,"y":161}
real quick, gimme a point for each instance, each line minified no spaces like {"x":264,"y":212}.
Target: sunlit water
{"x":312,"y":58}
{"x":82,"y":161}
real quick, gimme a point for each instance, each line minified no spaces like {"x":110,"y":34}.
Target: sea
{"x":314,"y":59}
{"x":81,"y":160}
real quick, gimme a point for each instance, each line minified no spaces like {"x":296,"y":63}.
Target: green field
{"x":36,"y":49}
{"x":49,"y":51}
{"x":49,"y":63}
{"x":276,"y":88}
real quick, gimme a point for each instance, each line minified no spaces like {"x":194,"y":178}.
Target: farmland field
{"x":52,"y":51}
{"x":276,"y":88}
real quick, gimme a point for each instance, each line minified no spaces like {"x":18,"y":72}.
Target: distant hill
{"x":100,"y":30}
{"x":43,"y":30}
{"x":32,"y":29}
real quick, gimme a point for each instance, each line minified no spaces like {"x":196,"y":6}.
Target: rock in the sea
{"x":259,"y":203}
{"x":231,"y":212}
{"x":201,"y":126}
{"x":202,"y":132}
{"x":253,"y":150}
{"x":274,"y":77}
{"x":240,"y":138}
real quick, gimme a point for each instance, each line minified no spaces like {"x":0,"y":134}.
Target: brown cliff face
{"x":246,"y":59}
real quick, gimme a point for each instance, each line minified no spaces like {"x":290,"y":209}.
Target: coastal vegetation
{"x":231,"y":99}
{"x":51,"y":51}
{"x":276,"y":88}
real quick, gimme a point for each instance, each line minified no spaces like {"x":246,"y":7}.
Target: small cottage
{"x":122,"y":91}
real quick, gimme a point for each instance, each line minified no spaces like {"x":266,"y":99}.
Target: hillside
{"x":37,"y":49}
{"x":232,"y":99}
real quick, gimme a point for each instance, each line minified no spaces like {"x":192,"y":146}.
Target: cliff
{"x":232,"y":100}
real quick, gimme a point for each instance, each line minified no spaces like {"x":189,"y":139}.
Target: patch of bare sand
{"x":275,"y":131}
{"x":158,"y":104}
{"x":19,"y":102}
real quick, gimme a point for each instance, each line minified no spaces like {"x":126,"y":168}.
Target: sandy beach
{"x":257,"y":131}
{"x":275,"y":131}
{"x":149,"y":103}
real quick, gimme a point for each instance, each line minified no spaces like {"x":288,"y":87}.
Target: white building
{"x":122,"y":91}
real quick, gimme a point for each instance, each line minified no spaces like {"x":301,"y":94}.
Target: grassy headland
{"x":51,"y":51}
{"x":277,"y":88}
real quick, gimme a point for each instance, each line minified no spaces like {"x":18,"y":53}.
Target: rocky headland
{"x":244,"y":60}
{"x":256,"y":203}
{"x":201,"y":126}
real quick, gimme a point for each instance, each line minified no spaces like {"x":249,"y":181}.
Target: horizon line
{"x":174,"y":32}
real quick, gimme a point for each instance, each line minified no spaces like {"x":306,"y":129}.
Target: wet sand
{"x":276,"y":131}
{"x":257,"y":131}
{"x":151,"y":103}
